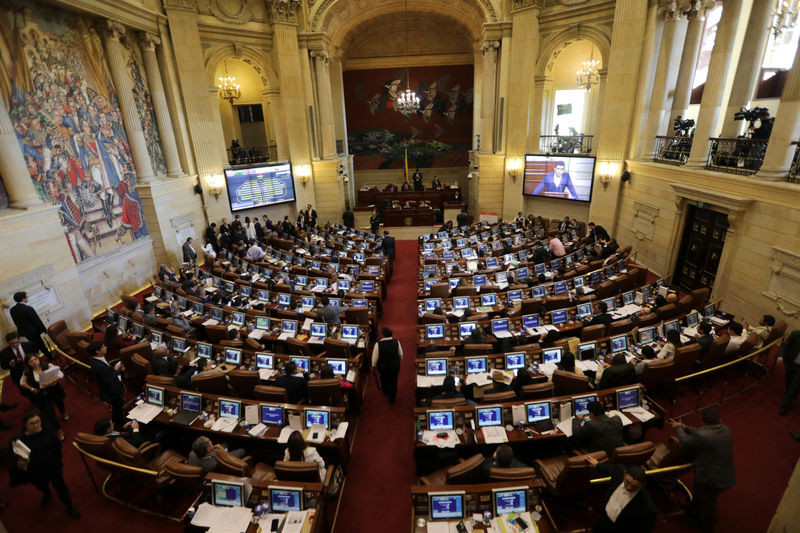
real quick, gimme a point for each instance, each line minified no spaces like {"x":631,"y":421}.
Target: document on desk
{"x":518,"y":414}
{"x":625,"y":420}
{"x":430,"y":438}
{"x":494,"y":435}
{"x":438,"y":527}
{"x":341,"y":431}
{"x":224,"y":424}
{"x":718,"y":322}
{"x":480,"y":379}
{"x":547,"y":368}
{"x":641,"y":413}
{"x":430,"y":381}
{"x":151,"y":299}
{"x":316,"y":434}
{"x":284,"y":436}
{"x":256,"y":334}
{"x":144,"y":413}
{"x":251,"y":415}
{"x":257,"y":430}
{"x":222,"y":519}
{"x":587,"y":365}
{"x":265,"y":374}
{"x":211,"y":322}
{"x":284,"y":336}
{"x":457,"y":313}
{"x":566,"y":426}
{"x":295,"y":521}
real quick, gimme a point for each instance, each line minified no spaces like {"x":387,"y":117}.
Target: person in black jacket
{"x":789,"y":355}
{"x":388,"y":245}
{"x":12,"y":358}
{"x":600,"y":431}
{"x":44,"y":467}
{"x":130,"y":431}
{"x":348,"y":218}
{"x":503,"y":457}
{"x":162,"y":363}
{"x":704,"y":339}
{"x":294,"y":384}
{"x":618,"y":374}
{"x":627,"y":507}
{"x":211,"y":236}
{"x":603,"y":317}
{"x":539,"y":255}
{"x":386,"y":357}
{"x":109,"y":381}
{"x":28,"y":323}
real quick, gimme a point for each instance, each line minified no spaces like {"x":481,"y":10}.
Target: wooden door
{"x":701,"y":249}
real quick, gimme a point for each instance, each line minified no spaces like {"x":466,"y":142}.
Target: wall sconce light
{"x":215,"y":184}
{"x":606,"y":170}
{"x":304,"y":173}
{"x":513,"y":167}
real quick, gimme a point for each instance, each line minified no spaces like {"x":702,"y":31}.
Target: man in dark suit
{"x":503,"y":457}
{"x":12,"y":358}
{"x":130,"y":431}
{"x":259,"y":228}
{"x":224,"y":226}
{"x":557,"y":181}
{"x":310,"y":217}
{"x":596,"y":233}
{"x":789,"y":354}
{"x":348,"y":218}
{"x":392,"y":187}
{"x":627,"y":507}
{"x":704,"y":339}
{"x":388,"y":245}
{"x":294,"y":384}
{"x":417,"y":178}
{"x":618,"y":374}
{"x":603,"y":317}
{"x":463,"y":218}
{"x":236,"y":225}
{"x":436,"y":184}
{"x":162,"y":364}
{"x":189,"y":255}
{"x":211,"y":236}
{"x":28,"y":323}
{"x":600,"y":431}
{"x":539,"y":255}
{"x":713,"y":465}
{"x":109,"y":381}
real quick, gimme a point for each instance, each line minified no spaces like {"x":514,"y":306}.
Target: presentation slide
{"x":260,"y":186}
{"x":562,"y":176}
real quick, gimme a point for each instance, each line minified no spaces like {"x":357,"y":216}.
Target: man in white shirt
{"x":737,"y":338}
{"x":557,"y":247}
{"x":628,"y":506}
{"x":255,"y":252}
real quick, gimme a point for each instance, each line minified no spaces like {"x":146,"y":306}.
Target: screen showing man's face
{"x":559,"y":170}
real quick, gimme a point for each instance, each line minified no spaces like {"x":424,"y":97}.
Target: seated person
{"x":736,"y":331}
{"x":627,"y":504}
{"x":763,"y":329}
{"x":501,"y":382}
{"x":603,"y":317}
{"x":648,"y":356}
{"x":162,"y":363}
{"x":184,"y":379}
{"x":520,"y":380}
{"x":449,"y":389}
{"x":503,"y":457}
{"x":477,"y":336}
{"x":671,"y":346}
{"x":600,"y":432}
{"x":548,"y":340}
{"x":130,"y":431}
{"x":204,"y":453}
{"x":296,"y":450}
{"x":326,"y":372}
{"x":619,"y":373}
{"x":704,"y":338}
{"x":567,"y":363}
{"x":406,"y":187}
{"x":294,"y":383}
{"x":149,"y":315}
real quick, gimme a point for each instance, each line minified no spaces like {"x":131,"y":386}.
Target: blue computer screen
{"x":510,"y":501}
{"x":190,"y":401}
{"x":489,"y":416}
{"x":259,"y":186}
{"x":538,"y":411}
{"x":272,"y":415}
{"x":440,"y":420}
{"x":476,"y":365}
{"x":285,"y":500}
{"x":227,"y":494}
{"x":446,"y":506}
{"x":627,"y":398}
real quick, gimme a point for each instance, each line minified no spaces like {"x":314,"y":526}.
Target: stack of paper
{"x":565,"y":426}
{"x":265,"y":374}
{"x":341,"y":431}
{"x":430,"y":381}
{"x":211,"y":322}
{"x":625,"y":420}
{"x":144,"y":413}
{"x":449,"y":441}
{"x":224,"y":424}
{"x":641,"y":413}
{"x":21,"y":449}
{"x":480,"y":379}
{"x":228,"y":519}
{"x":587,"y":365}
{"x":494,"y":435}
{"x":284,"y":436}
{"x":258,"y":430}
{"x":547,"y":368}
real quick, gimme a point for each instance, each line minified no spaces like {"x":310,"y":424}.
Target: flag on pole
{"x":405,"y":165}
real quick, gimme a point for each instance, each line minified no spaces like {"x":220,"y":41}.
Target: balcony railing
{"x":736,"y":156}
{"x":566,"y":144}
{"x":794,"y":171}
{"x":252,"y":154}
{"x":672,"y":150}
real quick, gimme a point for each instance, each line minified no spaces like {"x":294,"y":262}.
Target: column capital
{"x":700,"y":8}
{"x":283,"y":10}
{"x":114,"y":30}
{"x":674,"y":9}
{"x":149,"y":40}
{"x":490,"y":46}
{"x":321,"y":56}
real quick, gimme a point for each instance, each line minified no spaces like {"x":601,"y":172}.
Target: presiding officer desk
{"x":435,"y":197}
{"x":274,"y":493}
{"x":475,"y":500}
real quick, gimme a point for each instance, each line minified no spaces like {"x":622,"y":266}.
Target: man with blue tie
{"x":557,"y":181}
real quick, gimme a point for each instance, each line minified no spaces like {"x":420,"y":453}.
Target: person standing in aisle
{"x":386,"y":357}
{"x":28,"y":323}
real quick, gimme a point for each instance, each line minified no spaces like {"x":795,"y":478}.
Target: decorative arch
{"x":253,"y":57}
{"x":554,"y":44}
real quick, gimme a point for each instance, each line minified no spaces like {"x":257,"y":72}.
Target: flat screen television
{"x":567,"y":177}
{"x":259,"y":186}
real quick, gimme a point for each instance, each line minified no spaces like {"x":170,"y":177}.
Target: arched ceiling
{"x":344,"y":20}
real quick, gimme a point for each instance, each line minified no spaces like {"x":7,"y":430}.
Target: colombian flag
{"x":405,"y":165}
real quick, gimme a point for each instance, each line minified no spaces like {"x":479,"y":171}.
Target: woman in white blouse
{"x":249,"y":228}
{"x":296,"y":450}
{"x":41,"y":380}
{"x":671,"y":347}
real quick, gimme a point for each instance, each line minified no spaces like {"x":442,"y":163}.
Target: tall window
{"x":568,"y":111}
{"x":778,"y":59}
{"x":706,"y":47}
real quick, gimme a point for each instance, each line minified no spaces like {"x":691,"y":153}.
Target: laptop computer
{"x":191,"y":404}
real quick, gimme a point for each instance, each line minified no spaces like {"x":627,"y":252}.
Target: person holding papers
{"x":297,"y":450}
{"x":36,"y":458}
{"x":600,"y":431}
{"x":41,"y":380}
{"x":628,"y":506}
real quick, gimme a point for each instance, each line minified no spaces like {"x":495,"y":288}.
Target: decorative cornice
{"x":189,"y":5}
{"x":283,"y":11}
{"x":518,"y":5}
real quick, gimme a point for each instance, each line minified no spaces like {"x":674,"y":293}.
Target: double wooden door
{"x":701,"y":248}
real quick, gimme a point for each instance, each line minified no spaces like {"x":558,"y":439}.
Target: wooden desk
{"x":408,"y":216}
{"x":434,"y":196}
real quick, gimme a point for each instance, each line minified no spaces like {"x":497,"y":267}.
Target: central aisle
{"x":376,"y":495}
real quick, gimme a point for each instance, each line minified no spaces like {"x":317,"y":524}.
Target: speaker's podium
{"x":554,"y":194}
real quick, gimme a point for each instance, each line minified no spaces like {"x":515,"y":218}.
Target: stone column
{"x":165,"y":130}
{"x":541,"y":102}
{"x":127,"y":106}
{"x":477,"y":96}
{"x":593,"y":105}
{"x":488,"y":86}
{"x":328,"y":133}
{"x":218,"y":132}
{"x":337,"y":93}
{"x":786,"y":129}
{"x":708,"y":120}
{"x":691,"y":49}
{"x":14,"y":170}
{"x":748,"y":71}
{"x":524,"y":51}
{"x":272,"y":103}
{"x":669,"y":54}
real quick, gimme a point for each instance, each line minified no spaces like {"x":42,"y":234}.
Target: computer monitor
{"x":191,"y":401}
{"x":319,"y":329}
{"x":559,"y":287}
{"x":479,"y":280}
{"x":262,"y":323}
{"x":709,"y":310}
{"x":334,"y":302}
{"x":432,"y":303}
{"x":647,"y":335}
{"x":263,"y":295}
{"x":317,"y":417}
{"x":204,"y":350}
{"x":491,"y":415}
{"x":671,"y":325}
{"x":289,"y":326}
{"x":230,"y":408}
{"x":627,"y":298}
{"x":580,"y":404}
{"x":537,"y":411}
{"x":501,"y":277}
{"x":558,"y":317}
{"x":183,"y":303}
{"x":307,"y":301}
{"x":510,"y":500}
{"x":515,"y":360}
{"x":514,"y":296}
{"x":434,"y":331}
{"x":475,"y":365}
{"x":587,"y":351}
{"x":229,"y":286}
{"x":488,"y":299}
{"x":491,"y":262}
{"x":441,"y":420}
{"x":551,"y":355}
{"x":228,"y":493}
{"x":461,"y":302}
{"x":285,"y":499}
{"x":692,"y":319}
{"x":436,"y":367}
{"x":343,"y":285}
{"x":522,"y":273}
{"x":339,"y":366}
{"x":499,"y":325}
{"x":555,"y":264}
{"x":233,"y":356}
{"x":271,"y":415}
{"x":359,"y":302}
{"x":619,"y":343}
{"x":138,"y":330}
{"x":217,"y":314}
{"x":584,"y":310}
{"x":265,"y":360}
{"x":367,"y":285}
{"x":446,"y":505}
{"x":156,"y":337}
{"x":122,"y":324}
{"x":578,"y":282}
{"x":178,"y":344}
{"x":303,"y":362}
{"x":349,"y":331}
{"x":244,"y":290}
{"x":610,"y":271}
{"x":465,"y":328}
{"x":539,"y":268}
{"x":321,"y":282}
{"x":539,"y":291}
{"x":530,"y":321}
{"x":154,"y":395}
{"x":301,"y":281}
{"x":627,"y":398}
{"x":237,"y":319}
{"x":453,"y":282}
{"x":284,"y":299}
{"x":610,"y":303}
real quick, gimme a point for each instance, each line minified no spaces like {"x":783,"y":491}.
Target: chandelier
{"x":785,"y":16}
{"x":229,"y":89}
{"x":589,"y":74}
{"x":407,"y":102}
